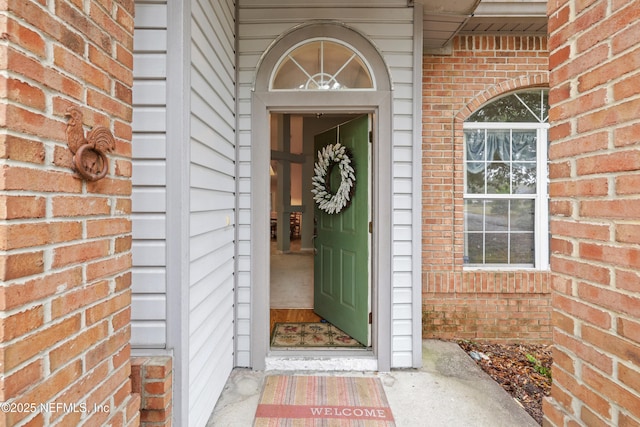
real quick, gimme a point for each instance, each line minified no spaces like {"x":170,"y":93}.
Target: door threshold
{"x":307,"y":360}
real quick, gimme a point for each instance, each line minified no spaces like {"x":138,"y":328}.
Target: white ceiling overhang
{"x":443,"y":19}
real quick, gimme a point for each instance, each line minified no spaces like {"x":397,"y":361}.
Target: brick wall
{"x":64,"y":243}
{"x":152,"y":378}
{"x":500,"y":306}
{"x":595,"y":191}
{"x":493,"y":306}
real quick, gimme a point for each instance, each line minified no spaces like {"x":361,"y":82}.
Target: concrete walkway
{"x":450,"y":390}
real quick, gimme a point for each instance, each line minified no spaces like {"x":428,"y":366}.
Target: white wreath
{"x":329,"y":156}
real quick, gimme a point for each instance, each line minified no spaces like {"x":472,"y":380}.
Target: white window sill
{"x":495,"y":268}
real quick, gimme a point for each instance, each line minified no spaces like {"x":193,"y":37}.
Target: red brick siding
{"x":494,"y":306}
{"x":595,"y":158}
{"x":500,"y":306}
{"x":65,"y":260}
{"x":152,"y":378}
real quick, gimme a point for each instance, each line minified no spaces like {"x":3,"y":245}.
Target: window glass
{"x":322,"y":65}
{"x":524,"y":107}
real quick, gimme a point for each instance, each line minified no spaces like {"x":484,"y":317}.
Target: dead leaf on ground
{"x":523,"y":370}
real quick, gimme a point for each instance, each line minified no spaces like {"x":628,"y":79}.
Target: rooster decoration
{"x":89,"y":153}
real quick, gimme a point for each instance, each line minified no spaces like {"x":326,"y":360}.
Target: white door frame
{"x":376,"y":102}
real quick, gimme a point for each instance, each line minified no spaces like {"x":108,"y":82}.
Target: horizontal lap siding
{"x":148,"y":305}
{"x":391,"y":31}
{"x":212,"y":204}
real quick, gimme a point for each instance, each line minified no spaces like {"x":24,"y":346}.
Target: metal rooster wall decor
{"x":89,"y":153}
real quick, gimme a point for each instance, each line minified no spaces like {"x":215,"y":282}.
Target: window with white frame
{"x":505,"y":189}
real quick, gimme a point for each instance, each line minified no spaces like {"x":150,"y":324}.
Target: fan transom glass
{"x":322,"y":65}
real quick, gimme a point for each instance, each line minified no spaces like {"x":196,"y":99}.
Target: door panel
{"x":341,"y":266}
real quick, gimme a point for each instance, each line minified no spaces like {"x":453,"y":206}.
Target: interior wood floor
{"x":285,"y":315}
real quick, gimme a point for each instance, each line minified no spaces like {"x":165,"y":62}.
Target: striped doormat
{"x":314,"y":401}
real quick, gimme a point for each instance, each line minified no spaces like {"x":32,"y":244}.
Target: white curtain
{"x":481,"y":149}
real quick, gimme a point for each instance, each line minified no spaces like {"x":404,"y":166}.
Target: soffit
{"x":443,"y":19}
{"x":499,"y":17}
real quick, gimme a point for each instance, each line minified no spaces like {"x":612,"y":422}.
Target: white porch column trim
{"x":178,"y":135}
{"x":417,"y":188}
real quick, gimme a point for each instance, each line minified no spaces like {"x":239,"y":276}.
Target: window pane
{"x":476,"y":146}
{"x":499,"y":145}
{"x":475,"y":181}
{"x":473,"y":215}
{"x":524,"y":178}
{"x":346,"y":69}
{"x":522,"y":248}
{"x":307,"y":57}
{"x":522,"y":215}
{"x":524,"y":145}
{"x":290,"y":76}
{"x":506,"y":109}
{"x":496,"y":248}
{"x":474,"y":249}
{"x":533,"y":101}
{"x":335,"y":56}
{"x":354,"y":76}
{"x":497,"y":215}
{"x":498,"y":178}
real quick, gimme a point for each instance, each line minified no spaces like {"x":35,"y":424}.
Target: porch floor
{"x":449,"y":390}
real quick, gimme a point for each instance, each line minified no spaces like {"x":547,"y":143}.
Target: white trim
{"x":305,"y":27}
{"x":500,"y":267}
{"x":178,"y":136}
{"x":487,"y":196}
{"x":505,"y":125}
{"x":542,"y":202}
{"x":416,"y":206}
{"x":321,"y":363}
{"x":378,"y":103}
{"x":236,"y":239}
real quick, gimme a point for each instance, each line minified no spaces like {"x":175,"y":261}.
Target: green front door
{"x":341,"y":266}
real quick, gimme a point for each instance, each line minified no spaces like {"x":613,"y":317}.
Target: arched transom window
{"x":322,"y":64}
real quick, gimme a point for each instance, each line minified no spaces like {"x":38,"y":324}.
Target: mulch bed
{"x":523,"y":370}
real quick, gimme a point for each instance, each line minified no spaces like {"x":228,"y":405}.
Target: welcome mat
{"x":310,"y":334}
{"x":314,"y":401}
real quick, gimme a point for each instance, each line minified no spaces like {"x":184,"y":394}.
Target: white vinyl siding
{"x":201,"y":307}
{"x":148,"y":301}
{"x":211,"y":204}
{"x":389,"y":25}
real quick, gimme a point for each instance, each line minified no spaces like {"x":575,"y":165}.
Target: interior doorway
{"x":294,"y":217}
